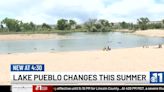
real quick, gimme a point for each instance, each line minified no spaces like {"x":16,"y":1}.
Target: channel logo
{"x":156,"y":77}
{"x":42,"y":88}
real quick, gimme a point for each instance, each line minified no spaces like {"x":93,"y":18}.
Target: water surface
{"x":79,"y":41}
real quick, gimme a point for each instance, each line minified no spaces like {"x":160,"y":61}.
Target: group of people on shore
{"x":106,"y":48}
{"x":159,"y":46}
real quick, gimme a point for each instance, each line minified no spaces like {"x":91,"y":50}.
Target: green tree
{"x":158,"y":25}
{"x":135,"y":27}
{"x":72,"y":24}
{"x":98,"y":26}
{"x":33,"y":26}
{"x":90,"y":25}
{"x":1,"y":26}
{"x":104,"y":22}
{"x":124,"y":25}
{"x":78,"y":26}
{"x":27,"y":26}
{"x":131,"y":26}
{"x":62,"y":24}
{"x":12,"y":24}
{"x":94,"y":25}
{"x":46,"y":26}
{"x":105,"y":25}
{"x":142,"y":22}
{"x":163,"y":23}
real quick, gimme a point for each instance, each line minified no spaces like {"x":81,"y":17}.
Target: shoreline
{"x":117,"y":60}
{"x":100,"y":50}
{"x":149,"y":32}
{"x":7,"y":37}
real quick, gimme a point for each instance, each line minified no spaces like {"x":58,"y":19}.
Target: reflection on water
{"x":79,"y":41}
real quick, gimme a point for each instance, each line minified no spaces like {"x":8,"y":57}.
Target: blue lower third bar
{"x":27,"y":67}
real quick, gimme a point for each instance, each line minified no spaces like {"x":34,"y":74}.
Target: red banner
{"x":42,"y":88}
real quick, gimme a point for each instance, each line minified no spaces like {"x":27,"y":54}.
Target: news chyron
{"x":35,"y":78}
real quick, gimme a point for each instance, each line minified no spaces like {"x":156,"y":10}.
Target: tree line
{"x":91,"y":25}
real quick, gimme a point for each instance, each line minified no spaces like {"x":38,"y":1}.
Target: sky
{"x":49,"y":11}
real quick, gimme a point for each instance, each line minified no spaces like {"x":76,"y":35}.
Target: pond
{"x":79,"y":41}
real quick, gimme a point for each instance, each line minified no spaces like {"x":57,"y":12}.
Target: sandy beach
{"x":117,"y":60}
{"x":31,"y":36}
{"x":152,"y":33}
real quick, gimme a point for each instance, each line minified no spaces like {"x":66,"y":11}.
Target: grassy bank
{"x":43,"y":31}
